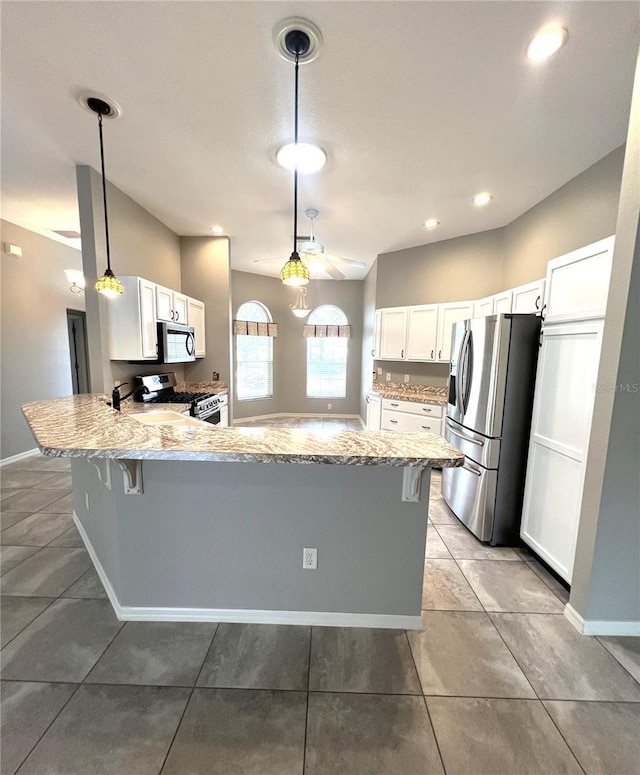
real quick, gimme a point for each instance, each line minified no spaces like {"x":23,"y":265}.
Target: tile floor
{"x":309,"y":423}
{"x":497,"y":683}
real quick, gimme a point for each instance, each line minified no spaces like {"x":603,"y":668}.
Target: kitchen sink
{"x":175,"y":419}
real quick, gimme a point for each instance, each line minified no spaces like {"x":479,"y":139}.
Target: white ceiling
{"x":419,"y":105}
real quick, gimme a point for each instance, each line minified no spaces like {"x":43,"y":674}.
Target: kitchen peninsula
{"x":197,"y":523}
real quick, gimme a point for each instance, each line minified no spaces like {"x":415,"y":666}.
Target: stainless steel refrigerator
{"x":491,"y":383}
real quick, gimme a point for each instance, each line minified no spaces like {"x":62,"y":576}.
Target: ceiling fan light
{"x":311,"y":247}
{"x":307,"y":158}
{"x":294,"y":272}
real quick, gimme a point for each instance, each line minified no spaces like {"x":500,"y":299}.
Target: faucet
{"x":117,"y":399}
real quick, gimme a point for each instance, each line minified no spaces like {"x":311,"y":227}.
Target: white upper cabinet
{"x":502,"y":302}
{"x":528,"y":298}
{"x":377,"y":334}
{"x":195,"y":318}
{"x":450,"y":314}
{"x":171,"y":305}
{"x":483,"y":307}
{"x":578,"y":283}
{"x":133,"y":332}
{"x":393,"y":333}
{"x":422,"y":333}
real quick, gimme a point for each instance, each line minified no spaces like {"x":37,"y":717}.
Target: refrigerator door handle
{"x":460,"y":374}
{"x":468,"y":372}
{"x":465,"y":438}
{"x":471,"y":470}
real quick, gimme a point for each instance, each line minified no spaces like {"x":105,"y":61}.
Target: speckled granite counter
{"x":85,"y":426}
{"x":428,"y":393}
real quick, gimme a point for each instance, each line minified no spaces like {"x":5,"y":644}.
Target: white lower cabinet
{"x":374,"y":407}
{"x":224,"y":412}
{"x":411,"y":416}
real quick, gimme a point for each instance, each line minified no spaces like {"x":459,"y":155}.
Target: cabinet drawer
{"x":412,"y":407}
{"x":409,"y":423}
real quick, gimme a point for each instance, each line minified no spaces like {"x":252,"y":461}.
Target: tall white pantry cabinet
{"x":573,"y":320}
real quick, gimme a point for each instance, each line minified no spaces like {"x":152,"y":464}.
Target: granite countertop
{"x":202,"y":387}
{"x":423,"y":393}
{"x":85,"y":426}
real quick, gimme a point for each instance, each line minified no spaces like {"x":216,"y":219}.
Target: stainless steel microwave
{"x":176,"y":343}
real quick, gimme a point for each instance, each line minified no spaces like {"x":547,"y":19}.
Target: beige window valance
{"x":325,"y":332}
{"x":251,"y":328}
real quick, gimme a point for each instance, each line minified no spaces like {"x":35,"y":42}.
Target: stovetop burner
{"x":180,"y":398}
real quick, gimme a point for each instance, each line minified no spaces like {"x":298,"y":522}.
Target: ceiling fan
{"x":312,"y":253}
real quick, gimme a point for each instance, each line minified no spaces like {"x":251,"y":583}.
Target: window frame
{"x":255,"y":341}
{"x":336,"y":346}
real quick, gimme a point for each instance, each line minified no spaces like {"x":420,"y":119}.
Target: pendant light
{"x":108,"y":285}
{"x":300,"y":308}
{"x":294,"y":272}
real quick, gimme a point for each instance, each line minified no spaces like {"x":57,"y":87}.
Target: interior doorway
{"x":77,"y":329}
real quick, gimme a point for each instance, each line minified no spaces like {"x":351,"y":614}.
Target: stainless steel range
{"x":161,"y":387}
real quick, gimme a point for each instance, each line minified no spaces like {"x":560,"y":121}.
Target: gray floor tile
{"x":354,"y":425}
{"x":441,"y":514}
{"x":27,"y":711}
{"x":364,"y":734}
{"x":64,"y":505}
{"x":63,"y":643}
{"x":604,"y":736}
{"x":626,"y":650}
{"x":87,"y":586}
{"x":463,"y":545}
{"x":10,"y":556}
{"x":446,"y":589}
{"x":561,"y":663}
{"x":70,"y":539}
{"x":499,"y":737}
{"x":461,"y":653}
{"x":39,"y":462}
{"x":258,"y":656}
{"x":47,"y":573}
{"x":231,"y":731}
{"x":37,"y":530}
{"x":435,"y":548}
{"x":310,"y":423}
{"x":56,"y":482}
{"x":505,"y":586}
{"x":17,"y":612}
{"x":155,"y":654}
{"x":335,"y":424}
{"x":23,"y":479}
{"x":361,"y":660}
{"x":8,"y":518}
{"x":29,"y":500}
{"x":561,"y":592}
{"x":141,"y":722}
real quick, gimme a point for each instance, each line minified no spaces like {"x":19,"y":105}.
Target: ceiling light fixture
{"x":217,"y":229}
{"x":304,"y":157}
{"x":481,"y":199}
{"x":546,"y":42}
{"x":300,"y":309}
{"x":108,"y":285}
{"x":294,"y":272}
{"x":431,"y":224}
{"x":76,"y":278}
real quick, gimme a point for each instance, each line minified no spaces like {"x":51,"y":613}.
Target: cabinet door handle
{"x":439,"y":355}
{"x":177,"y":316}
{"x":402,"y":353}
{"x":538,"y":302}
{"x":171,"y":313}
{"x":432,"y":354}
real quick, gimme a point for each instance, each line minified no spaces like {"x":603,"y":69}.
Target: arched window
{"x":254,"y":356}
{"x":327,"y":356}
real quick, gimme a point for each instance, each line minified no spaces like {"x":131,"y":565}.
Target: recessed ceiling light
{"x":431,"y":223}
{"x":217,"y":229}
{"x":546,"y":42}
{"x":482,"y":198}
{"x":307,"y":157}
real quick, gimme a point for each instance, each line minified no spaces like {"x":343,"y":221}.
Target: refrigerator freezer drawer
{"x":470,"y":492}
{"x":479,"y":448}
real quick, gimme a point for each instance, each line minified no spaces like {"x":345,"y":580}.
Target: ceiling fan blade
{"x":342,"y":260}
{"x":262,"y":260}
{"x":330,"y":269}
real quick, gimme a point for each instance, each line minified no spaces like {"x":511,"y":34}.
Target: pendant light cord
{"x":295,"y":169}
{"x":104,"y":192}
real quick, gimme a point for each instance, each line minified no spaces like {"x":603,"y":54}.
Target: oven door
{"x":212,"y":416}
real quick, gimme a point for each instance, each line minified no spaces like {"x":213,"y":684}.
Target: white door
{"x":164,"y":303}
{"x":483,"y":307}
{"x":422,"y":332}
{"x":502,"y":302}
{"x":148,"y":325}
{"x":528,"y":298}
{"x":180,"y":313}
{"x":578,"y":283}
{"x":563,"y":406}
{"x":195,"y":318}
{"x":393,"y":333}
{"x":448,"y":314}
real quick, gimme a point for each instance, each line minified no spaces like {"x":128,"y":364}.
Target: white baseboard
{"x":19,"y":456}
{"x":242,"y":615}
{"x":600,"y":627}
{"x":299,"y":414}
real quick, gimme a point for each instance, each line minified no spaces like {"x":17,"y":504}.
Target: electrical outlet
{"x":379,"y":371}
{"x":328,"y":406}
{"x":406,"y":378}
{"x":86,"y":500}
{"x":310,"y":559}
{"x":387,"y":376}
{"x":215,"y":376}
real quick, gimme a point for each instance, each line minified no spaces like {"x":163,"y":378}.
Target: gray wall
{"x":290,"y":346}
{"x":140,"y":245}
{"x":36,"y":363}
{"x":206,"y":275}
{"x":583,"y":211}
